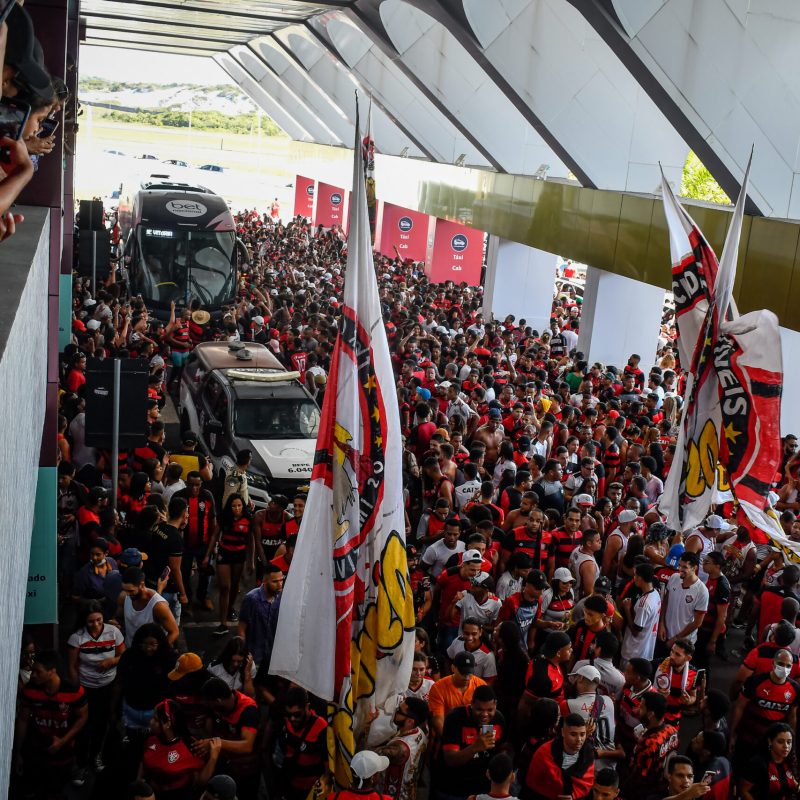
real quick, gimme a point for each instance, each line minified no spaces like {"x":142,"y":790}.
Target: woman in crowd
{"x":93,"y":652}
{"x":772,"y":774}
{"x":168,"y":763}
{"x":141,"y":684}
{"x":235,"y":666}
{"x":236,"y":547}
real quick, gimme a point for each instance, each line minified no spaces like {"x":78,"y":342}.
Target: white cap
{"x":258,"y":320}
{"x":367,"y":763}
{"x":564,"y":575}
{"x":472,"y":557}
{"x":89,"y":302}
{"x":716,"y":523}
{"x":628,"y":515}
{"x":445,"y":385}
{"x":583,"y":500}
{"x":273,"y":292}
{"x":93,"y":324}
{"x":587,"y":671}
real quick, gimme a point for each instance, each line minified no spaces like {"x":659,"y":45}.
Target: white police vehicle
{"x":236,"y":396}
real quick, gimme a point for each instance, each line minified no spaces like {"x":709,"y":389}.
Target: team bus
{"x":179,"y":245}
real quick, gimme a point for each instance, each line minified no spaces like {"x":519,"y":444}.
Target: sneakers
{"x":232,"y":615}
{"x":99,"y":766}
{"x":222,"y":630}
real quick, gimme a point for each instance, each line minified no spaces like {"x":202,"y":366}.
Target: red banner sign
{"x":304,"y":196}
{"x":405,"y":230}
{"x":331,"y":206}
{"x":456,"y":254}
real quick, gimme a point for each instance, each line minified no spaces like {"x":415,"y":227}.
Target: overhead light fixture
{"x":461,"y":160}
{"x":541,"y":173}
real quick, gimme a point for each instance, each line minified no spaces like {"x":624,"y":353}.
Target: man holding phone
{"x":472,"y":735}
{"x":680,"y":781}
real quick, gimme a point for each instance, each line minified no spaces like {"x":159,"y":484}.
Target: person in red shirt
{"x":765,"y":698}
{"x":52,"y":714}
{"x":772,"y":597}
{"x":236,"y":722}
{"x":168,"y":763}
{"x":547,"y":776}
{"x":76,"y":376}
{"x":236,"y":546}
{"x":450,"y":582}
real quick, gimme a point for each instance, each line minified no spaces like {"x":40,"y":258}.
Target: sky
{"x":129,"y":66}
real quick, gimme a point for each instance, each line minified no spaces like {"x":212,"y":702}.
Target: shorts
{"x":179,"y":359}
{"x":230,"y":557}
{"x":136,"y":718}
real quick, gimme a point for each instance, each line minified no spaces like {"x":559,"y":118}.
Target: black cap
{"x":190,"y":437}
{"x":537,"y":579}
{"x":221,"y":787}
{"x":602,"y":584}
{"x":464,"y":662}
{"x":21,"y":52}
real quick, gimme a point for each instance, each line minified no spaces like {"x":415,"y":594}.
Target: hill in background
{"x":225,"y":98}
{"x":222,"y":108}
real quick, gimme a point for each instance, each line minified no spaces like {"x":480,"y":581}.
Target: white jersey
{"x":465,"y":492}
{"x":485,"y":664}
{"x":438,"y":554}
{"x":507,"y":585}
{"x":681,"y":605}
{"x":576,"y":560}
{"x":601,"y":710}
{"x":400,"y":780}
{"x":422,"y":691}
{"x":611,"y":679}
{"x":646,"y":613}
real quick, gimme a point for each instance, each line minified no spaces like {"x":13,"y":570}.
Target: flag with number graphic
{"x":346,"y":628}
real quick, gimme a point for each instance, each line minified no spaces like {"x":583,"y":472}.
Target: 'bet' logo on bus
{"x":405,"y":224}
{"x":186,"y":208}
{"x":336,"y":199}
{"x":459,"y":243}
{"x":310,"y":190}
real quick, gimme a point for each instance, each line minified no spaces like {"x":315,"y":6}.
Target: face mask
{"x":782,"y":671}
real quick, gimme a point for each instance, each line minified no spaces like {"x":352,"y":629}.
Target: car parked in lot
{"x":212,"y":168}
{"x":236,"y":396}
{"x":176,"y":162}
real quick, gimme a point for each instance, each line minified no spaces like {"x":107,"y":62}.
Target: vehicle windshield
{"x":278,"y":418}
{"x":185,"y":265}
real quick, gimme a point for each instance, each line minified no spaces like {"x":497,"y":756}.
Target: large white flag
{"x":346,"y":627}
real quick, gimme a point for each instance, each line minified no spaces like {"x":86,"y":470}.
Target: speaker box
{"x":99,"y":393}
{"x":91,"y":215}
{"x":85,"y":248}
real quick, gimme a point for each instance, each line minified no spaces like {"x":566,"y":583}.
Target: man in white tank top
{"x":583,"y":564}
{"x":405,"y":750}
{"x":617,"y":544}
{"x":703,"y":539}
{"x":137,"y":605}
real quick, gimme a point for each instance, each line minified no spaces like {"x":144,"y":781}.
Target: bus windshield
{"x":184,"y":265}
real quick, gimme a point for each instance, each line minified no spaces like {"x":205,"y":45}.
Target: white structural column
{"x":790,"y":402}
{"x":619,"y":316}
{"x":520,"y":280}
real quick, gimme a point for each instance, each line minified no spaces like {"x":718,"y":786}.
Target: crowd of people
{"x":32,"y":103}
{"x":567,"y":641}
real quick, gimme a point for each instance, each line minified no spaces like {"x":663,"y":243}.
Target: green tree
{"x":699,"y":184}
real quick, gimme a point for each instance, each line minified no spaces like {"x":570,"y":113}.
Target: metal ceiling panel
{"x":205,"y":25}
